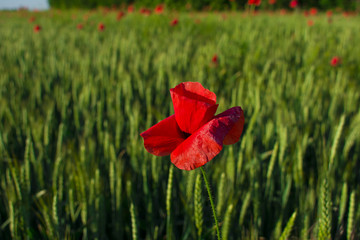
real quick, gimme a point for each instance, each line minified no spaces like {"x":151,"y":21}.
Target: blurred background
{"x":178,"y":4}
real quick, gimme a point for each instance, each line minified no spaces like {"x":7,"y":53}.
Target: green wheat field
{"x":74,"y":101}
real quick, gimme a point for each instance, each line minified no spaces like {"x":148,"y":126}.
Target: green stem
{"x":211,"y":202}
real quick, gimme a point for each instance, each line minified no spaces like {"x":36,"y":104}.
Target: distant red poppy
{"x":159,"y":9}
{"x":214,"y":59}
{"x":271,"y":2}
{"x":293,"y":4}
{"x":32,"y":19}
{"x":145,"y":11}
{"x":101,"y":27}
{"x":37,"y":28}
{"x":120,"y":15}
{"x":306,"y":13}
{"x":131,"y":9}
{"x":194,"y":135}
{"x":79,"y":26}
{"x":329,"y":13}
{"x":313,"y":11}
{"x":283,"y":11}
{"x":310,"y":23}
{"x":335,"y":61}
{"x":254,"y":2}
{"x":174,"y":22}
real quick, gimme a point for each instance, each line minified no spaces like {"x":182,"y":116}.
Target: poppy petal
{"x":162,"y":138}
{"x":207,"y":142}
{"x":193,"y":105}
{"x":234,"y":134}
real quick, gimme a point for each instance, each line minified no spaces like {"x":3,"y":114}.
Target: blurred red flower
{"x":271,"y":2}
{"x":32,"y":19}
{"x":293,"y":4}
{"x":306,"y":13}
{"x":214,"y":59}
{"x":37,"y":28}
{"x":131,"y":9}
{"x":120,"y":15}
{"x":194,"y":135}
{"x":313,"y":11}
{"x":254,"y":2}
{"x":174,"y":22}
{"x":329,"y":13}
{"x":79,"y":26}
{"x":159,"y":9}
{"x":145,"y":11}
{"x":335,"y":61}
{"x":310,"y":23}
{"x":101,"y":27}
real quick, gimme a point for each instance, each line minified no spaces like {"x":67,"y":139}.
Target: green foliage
{"x":73,"y":103}
{"x":324,"y":224}
{"x":198,"y":203}
{"x":287,"y":230}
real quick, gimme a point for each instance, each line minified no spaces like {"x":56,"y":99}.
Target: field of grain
{"x":73,"y":101}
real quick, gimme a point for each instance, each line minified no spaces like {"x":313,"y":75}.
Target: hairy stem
{"x":211,"y":202}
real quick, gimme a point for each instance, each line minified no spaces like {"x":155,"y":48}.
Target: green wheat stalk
{"x":343,"y":201}
{"x":336,"y":141}
{"x":168,"y":202}
{"x":227,"y":221}
{"x":198,"y":210}
{"x":133,"y":222}
{"x":211,"y":202}
{"x":221,"y":193}
{"x":324,"y":232}
{"x":289,"y":225}
{"x":350,"y":222}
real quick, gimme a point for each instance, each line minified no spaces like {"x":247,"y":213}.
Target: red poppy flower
{"x":131,"y":9}
{"x":271,"y":2}
{"x":101,"y":27}
{"x":313,"y":11}
{"x":37,"y":28}
{"x":174,"y":22}
{"x":293,"y":4}
{"x":80,"y":26}
{"x":254,"y":2}
{"x":214,"y":59}
{"x":335,"y":61}
{"x":120,"y":15}
{"x":306,"y":13}
{"x":159,"y":9}
{"x":194,"y":135}
{"x":310,"y":23}
{"x":329,"y":13}
{"x":145,"y":11}
{"x":32,"y":19}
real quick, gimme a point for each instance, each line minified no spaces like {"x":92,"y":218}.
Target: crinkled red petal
{"x":193,"y":105}
{"x":162,"y":138}
{"x":235,"y":133}
{"x":207,"y":142}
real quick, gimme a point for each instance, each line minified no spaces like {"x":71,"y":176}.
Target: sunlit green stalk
{"x":211,"y":202}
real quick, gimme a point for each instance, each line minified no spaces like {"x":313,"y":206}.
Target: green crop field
{"x":74,"y":101}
